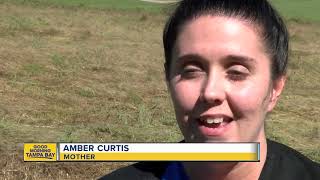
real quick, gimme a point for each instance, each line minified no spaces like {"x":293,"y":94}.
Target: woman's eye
{"x":191,"y":72}
{"x":237,"y":74}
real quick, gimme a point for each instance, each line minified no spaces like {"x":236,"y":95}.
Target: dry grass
{"x":296,"y":119}
{"x":76,"y":75}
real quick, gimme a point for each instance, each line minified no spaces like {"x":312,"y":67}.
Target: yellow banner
{"x":40,"y":152}
{"x":158,"y":157}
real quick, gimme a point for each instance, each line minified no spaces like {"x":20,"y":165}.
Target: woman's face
{"x":220,"y":81}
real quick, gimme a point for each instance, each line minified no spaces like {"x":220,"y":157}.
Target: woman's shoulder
{"x":141,"y":170}
{"x":284,"y":162}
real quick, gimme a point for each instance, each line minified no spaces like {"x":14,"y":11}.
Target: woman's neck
{"x":227,"y":170}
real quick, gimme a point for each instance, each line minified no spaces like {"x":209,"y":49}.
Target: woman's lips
{"x":214,"y":125}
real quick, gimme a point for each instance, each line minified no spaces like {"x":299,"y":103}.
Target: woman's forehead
{"x":209,"y":23}
{"x":218,"y":34}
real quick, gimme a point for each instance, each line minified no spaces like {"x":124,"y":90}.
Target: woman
{"x":226,"y":68}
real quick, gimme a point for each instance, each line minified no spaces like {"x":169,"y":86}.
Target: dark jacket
{"x":283,"y":163}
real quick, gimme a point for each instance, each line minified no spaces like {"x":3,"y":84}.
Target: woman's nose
{"x":213,"y":91}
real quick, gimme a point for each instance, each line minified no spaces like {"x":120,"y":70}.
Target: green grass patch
{"x":307,"y":10}
{"x":128,"y":5}
{"x":33,"y":69}
{"x":58,"y":61}
{"x":291,"y":9}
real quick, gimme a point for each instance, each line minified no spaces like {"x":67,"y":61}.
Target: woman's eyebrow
{"x":240,"y":59}
{"x":200,"y":60}
{"x":191,"y":58}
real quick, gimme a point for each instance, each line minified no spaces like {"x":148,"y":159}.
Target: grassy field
{"x":127,"y":5}
{"x":76,"y":71}
{"x":297,"y":9}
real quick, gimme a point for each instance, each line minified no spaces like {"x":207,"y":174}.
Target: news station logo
{"x":40,"y":152}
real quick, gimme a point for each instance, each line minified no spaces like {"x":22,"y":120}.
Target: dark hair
{"x":260,"y":12}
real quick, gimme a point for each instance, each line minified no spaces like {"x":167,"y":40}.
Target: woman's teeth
{"x":214,"y":120}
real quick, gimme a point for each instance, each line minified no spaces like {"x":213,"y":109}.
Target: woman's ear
{"x":277,"y":87}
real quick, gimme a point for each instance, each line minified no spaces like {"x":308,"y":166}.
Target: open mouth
{"x":214,"y":126}
{"x":214,"y":122}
